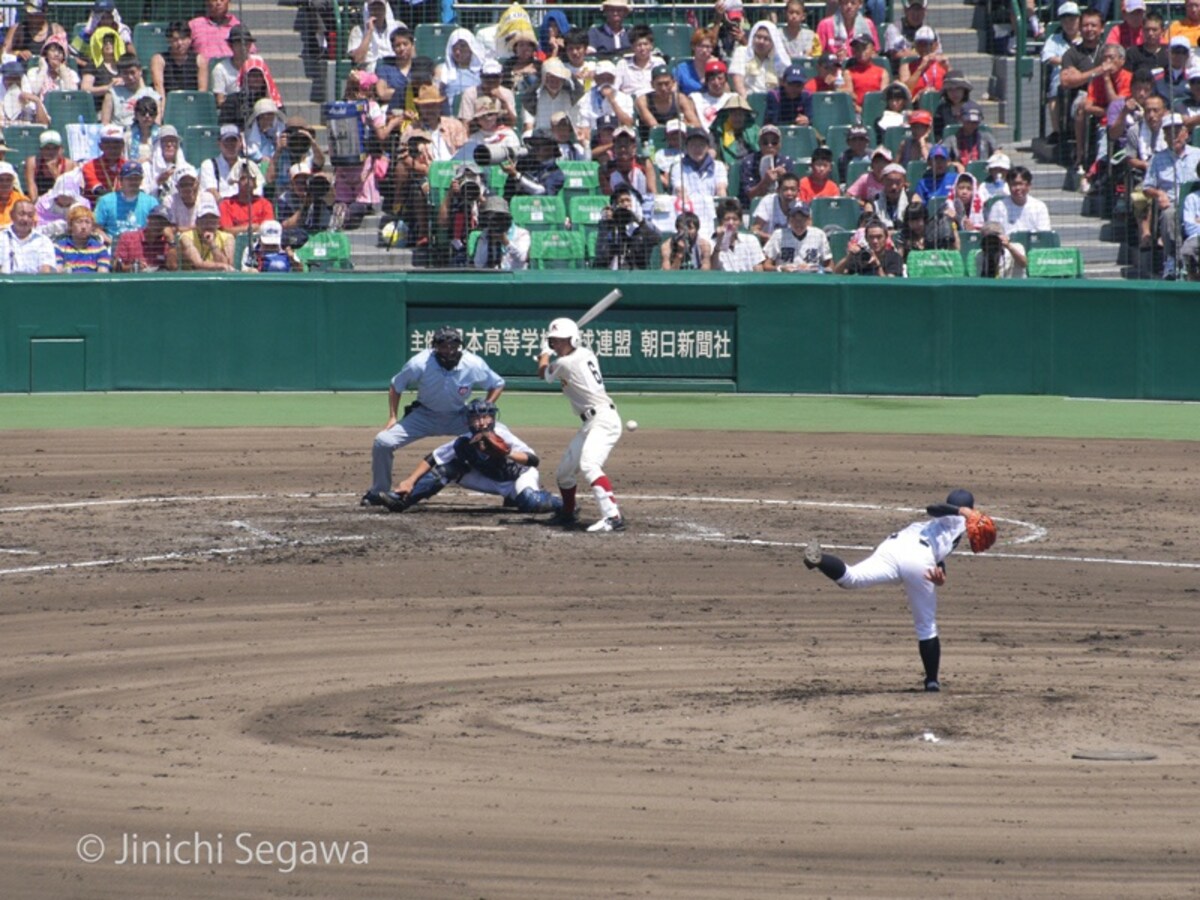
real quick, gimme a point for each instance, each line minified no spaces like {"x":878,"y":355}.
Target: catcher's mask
{"x":564,"y":328}
{"x":481,"y":415}
{"x":447,"y":346}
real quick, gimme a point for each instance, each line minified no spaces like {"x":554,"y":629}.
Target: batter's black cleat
{"x":932,"y":686}
{"x":394,"y":502}
{"x":371,"y":498}
{"x":566,"y":520}
{"x":812,"y":554}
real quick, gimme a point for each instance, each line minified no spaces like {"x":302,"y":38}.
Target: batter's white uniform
{"x":579,"y":372}
{"x":905,"y":557}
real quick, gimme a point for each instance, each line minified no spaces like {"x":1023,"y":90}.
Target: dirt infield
{"x":203,"y":636}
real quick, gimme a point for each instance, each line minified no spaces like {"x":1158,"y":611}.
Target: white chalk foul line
{"x":172,"y":557}
{"x":15,"y":552}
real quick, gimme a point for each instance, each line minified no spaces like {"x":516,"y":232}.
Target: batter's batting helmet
{"x":564,"y":328}
{"x":961,"y":497}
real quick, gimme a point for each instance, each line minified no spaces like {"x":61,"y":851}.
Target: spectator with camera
{"x":459,"y":213}
{"x":501,"y":245}
{"x":686,"y":249}
{"x":998,"y":256}
{"x":315,"y":212}
{"x":872,"y":257}
{"x":797,"y":247}
{"x":410,"y":184}
{"x":733,"y":251}
{"x":625,"y":239}
{"x":150,"y":248}
{"x":536,"y":173}
{"x":489,"y":142}
{"x":295,"y":145}
{"x":447,"y":134}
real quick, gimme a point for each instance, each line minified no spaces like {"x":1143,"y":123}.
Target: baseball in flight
{"x":631,"y":425}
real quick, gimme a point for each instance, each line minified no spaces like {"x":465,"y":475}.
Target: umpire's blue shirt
{"x":442,"y":391}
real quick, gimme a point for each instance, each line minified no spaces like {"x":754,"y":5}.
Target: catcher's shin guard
{"x":427,"y":485}
{"x":531,"y":501}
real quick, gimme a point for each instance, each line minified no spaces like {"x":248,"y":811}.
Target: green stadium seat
{"x":978,"y":169}
{"x":441,"y":173}
{"x":472,"y":243}
{"x":23,"y":141}
{"x":429,"y":39}
{"x":832,"y":108}
{"x":326,"y":251}
{"x":929,"y":101}
{"x":968,"y":241}
{"x":758,"y":103}
{"x":241,"y":243}
{"x":835,"y":140}
{"x":836,"y":212}
{"x":201,"y":142}
{"x":916,"y":171}
{"x":674,"y":42}
{"x":188,"y":108}
{"x":839,"y":243}
{"x":586,"y":211}
{"x":538,"y":213}
{"x":583,"y":176}
{"x":69,"y":108}
{"x":895,"y":136}
{"x":873,"y":106}
{"x":1055,"y":262}
{"x":1031,"y":240}
{"x":797,"y":141}
{"x":971,"y":260}
{"x":150,"y":38}
{"x":556,"y":250}
{"x":936,"y":264}
{"x":856,"y":169}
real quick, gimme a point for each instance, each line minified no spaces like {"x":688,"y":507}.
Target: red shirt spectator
{"x":864,"y":75}
{"x":236,"y":213}
{"x":148,"y":249}
{"x":103,"y":174}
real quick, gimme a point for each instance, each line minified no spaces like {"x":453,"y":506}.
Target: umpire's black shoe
{"x":932,"y":686}
{"x":371,"y":498}
{"x":394,"y":502}
{"x":567,"y":520}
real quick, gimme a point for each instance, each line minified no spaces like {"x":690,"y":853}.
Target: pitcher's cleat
{"x":812,"y":554}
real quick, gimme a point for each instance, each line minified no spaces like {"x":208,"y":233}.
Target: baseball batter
{"x":578,"y":370}
{"x":488,"y":458}
{"x":915,"y":557}
{"x":444,"y":376}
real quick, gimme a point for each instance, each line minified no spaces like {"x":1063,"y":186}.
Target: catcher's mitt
{"x":981,"y":531}
{"x":492,"y":444}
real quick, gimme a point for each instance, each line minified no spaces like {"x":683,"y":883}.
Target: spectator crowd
{"x":844,"y":145}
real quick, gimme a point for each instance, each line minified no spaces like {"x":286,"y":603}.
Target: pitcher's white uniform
{"x":583,"y":385}
{"x":905,"y":557}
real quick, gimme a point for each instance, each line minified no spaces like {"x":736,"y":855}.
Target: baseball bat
{"x":604,"y":303}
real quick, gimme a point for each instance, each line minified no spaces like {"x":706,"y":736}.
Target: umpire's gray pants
{"x":419,"y":423}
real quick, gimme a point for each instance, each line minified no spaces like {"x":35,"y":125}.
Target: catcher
{"x":916,"y":557}
{"x":489,"y":459}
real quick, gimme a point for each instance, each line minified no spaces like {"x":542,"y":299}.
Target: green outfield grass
{"x":992,"y":415}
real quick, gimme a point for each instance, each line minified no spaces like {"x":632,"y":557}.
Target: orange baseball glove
{"x":981,"y":531}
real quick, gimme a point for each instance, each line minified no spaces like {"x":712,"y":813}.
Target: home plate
{"x":1115,"y":755}
{"x":477,"y":528}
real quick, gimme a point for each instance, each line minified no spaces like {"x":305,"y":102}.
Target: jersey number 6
{"x":595,"y":372}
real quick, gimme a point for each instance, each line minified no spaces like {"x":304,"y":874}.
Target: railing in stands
{"x":1018,"y":11}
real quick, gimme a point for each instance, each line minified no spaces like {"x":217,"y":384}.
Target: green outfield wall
{"x":769,"y":333}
